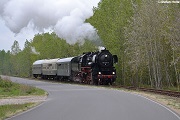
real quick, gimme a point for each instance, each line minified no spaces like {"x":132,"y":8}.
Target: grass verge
{"x":8,"y":89}
{"x":10,"y":110}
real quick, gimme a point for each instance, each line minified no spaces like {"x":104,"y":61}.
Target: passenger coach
{"x":49,"y":68}
{"x":37,"y":68}
{"x":67,"y":68}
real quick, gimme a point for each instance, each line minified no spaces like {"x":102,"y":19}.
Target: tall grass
{"x":8,"y":88}
{"x":9,"y":110}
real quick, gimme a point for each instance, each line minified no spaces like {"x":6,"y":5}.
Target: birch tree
{"x":15,"y":50}
{"x":146,"y":41}
{"x":174,"y":37}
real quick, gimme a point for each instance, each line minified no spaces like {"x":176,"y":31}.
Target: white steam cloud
{"x":100,"y":48}
{"x":33,"y":50}
{"x":65,"y":17}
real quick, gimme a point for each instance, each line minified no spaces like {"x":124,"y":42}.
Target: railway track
{"x":157,"y":91}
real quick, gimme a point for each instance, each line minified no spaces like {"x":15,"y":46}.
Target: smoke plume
{"x":33,"y":50}
{"x":65,"y":17}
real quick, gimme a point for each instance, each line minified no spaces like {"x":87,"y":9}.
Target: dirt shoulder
{"x":22,"y":99}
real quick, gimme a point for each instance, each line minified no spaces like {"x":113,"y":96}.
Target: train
{"x":91,"y":68}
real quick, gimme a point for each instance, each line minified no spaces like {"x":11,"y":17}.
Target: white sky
{"x":7,"y":37}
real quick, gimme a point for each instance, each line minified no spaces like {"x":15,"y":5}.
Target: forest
{"x":144,"y":34}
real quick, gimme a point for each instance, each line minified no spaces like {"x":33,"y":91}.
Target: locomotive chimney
{"x":101,"y":48}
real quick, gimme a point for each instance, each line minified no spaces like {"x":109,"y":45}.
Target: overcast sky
{"x":7,"y":37}
{"x":22,"y":19}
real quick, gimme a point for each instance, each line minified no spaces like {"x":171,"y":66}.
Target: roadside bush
{"x":5,"y":83}
{"x":8,"y":88}
{"x":27,"y":89}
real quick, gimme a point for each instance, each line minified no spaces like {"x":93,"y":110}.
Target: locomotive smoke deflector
{"x":115,"y":59}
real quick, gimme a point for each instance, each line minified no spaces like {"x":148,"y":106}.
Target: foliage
{"x":148,"y":45}
{"x":145,"y":36}
{"x":15,"y":49}
{"x":6,"y":84}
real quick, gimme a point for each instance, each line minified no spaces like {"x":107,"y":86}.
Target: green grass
{"x":9,"y":110}
{"x":9,"y":89}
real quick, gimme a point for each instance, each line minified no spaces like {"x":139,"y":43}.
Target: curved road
{"x":75,"y":102}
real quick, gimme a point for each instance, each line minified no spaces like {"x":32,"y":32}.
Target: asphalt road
{"x":75,"y":102}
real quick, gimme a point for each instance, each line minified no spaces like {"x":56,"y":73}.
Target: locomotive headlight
{"x":113,"y":73}
{"x":99,"y":73}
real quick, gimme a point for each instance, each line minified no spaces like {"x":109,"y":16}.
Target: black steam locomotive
{"x":90,"y":68}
